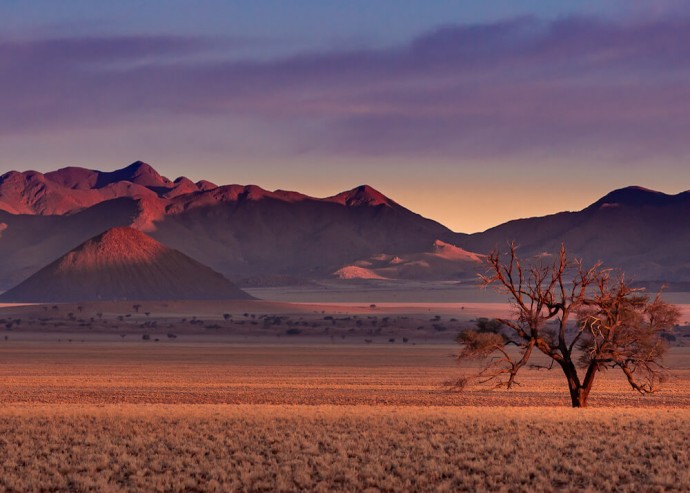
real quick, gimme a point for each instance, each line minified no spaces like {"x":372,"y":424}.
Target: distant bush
{"x":488,"y":325}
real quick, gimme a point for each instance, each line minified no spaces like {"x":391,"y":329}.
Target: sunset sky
{"x":470,"y":113}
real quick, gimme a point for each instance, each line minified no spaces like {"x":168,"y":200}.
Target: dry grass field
{"x":345,"y":396}
{"x":286,"y":416}
{"x":341,"y":448}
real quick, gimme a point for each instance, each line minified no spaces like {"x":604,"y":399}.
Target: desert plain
{"x":343,"y":395}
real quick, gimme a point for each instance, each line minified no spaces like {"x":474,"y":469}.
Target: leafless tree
{"x":584,"y":320}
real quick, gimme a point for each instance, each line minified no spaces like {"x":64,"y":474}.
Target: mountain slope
{"x":645,"y":233}
{"x":241,"y":231}
{"x":123,"y":263}
{"x":29,"y":242}
{"x":305,"y":237}
{"x":246,"y":232}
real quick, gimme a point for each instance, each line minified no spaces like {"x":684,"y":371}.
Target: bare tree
{"x":582,"y":319}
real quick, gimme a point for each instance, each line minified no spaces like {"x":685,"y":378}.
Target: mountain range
{"x":248,"y":233}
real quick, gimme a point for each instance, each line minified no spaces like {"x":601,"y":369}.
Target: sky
{"x":469,"y":113}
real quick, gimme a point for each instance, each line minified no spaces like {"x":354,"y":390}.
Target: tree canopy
{"x":585,"y":320}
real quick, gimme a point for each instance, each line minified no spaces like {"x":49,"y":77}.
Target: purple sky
{"x":466,"y":115}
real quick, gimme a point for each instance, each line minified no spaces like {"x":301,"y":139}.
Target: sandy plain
{"x":233,"y":402}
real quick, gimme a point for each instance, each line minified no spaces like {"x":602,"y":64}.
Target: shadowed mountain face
{"x":123,"y":263}
{"x":240,"y":231}
{"x":643,"y":232}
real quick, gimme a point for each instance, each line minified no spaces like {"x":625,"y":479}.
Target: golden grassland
{"x":343,"y":448}
{"x":194,"y":416}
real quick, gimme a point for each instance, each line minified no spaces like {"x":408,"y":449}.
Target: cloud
{"x":518,"y":86}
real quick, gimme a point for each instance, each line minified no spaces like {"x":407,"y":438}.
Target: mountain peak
{"x":633,"y":196}
{"x":204,"y":185}
{"x":142,"y":171}
{"x":74,"y":177}
{"x":124,"y":263}
{"x":140,"y":167}
{"x":362,"y":195}
{"x":114,"y":246}
{"x":138,"y":172}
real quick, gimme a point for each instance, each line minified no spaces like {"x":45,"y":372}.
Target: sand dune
{"x":441,"y":261}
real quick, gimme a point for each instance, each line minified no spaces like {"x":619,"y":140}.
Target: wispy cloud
{"x":519,"y":86}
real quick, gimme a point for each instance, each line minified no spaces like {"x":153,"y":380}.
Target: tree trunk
{"x":578,"y":392}
{"x":587,"y":384}
{"x":579,"y":396}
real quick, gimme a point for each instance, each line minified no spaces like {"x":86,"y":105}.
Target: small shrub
{"x":457,"y":385}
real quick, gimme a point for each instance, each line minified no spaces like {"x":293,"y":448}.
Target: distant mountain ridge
{"x":72,"y":189}
{"x":242,"y":231}
{"x":248,"y":233}
{"x":643,"y":232}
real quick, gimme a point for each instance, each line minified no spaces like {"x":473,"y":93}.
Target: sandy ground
{"x":255,"y":372}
